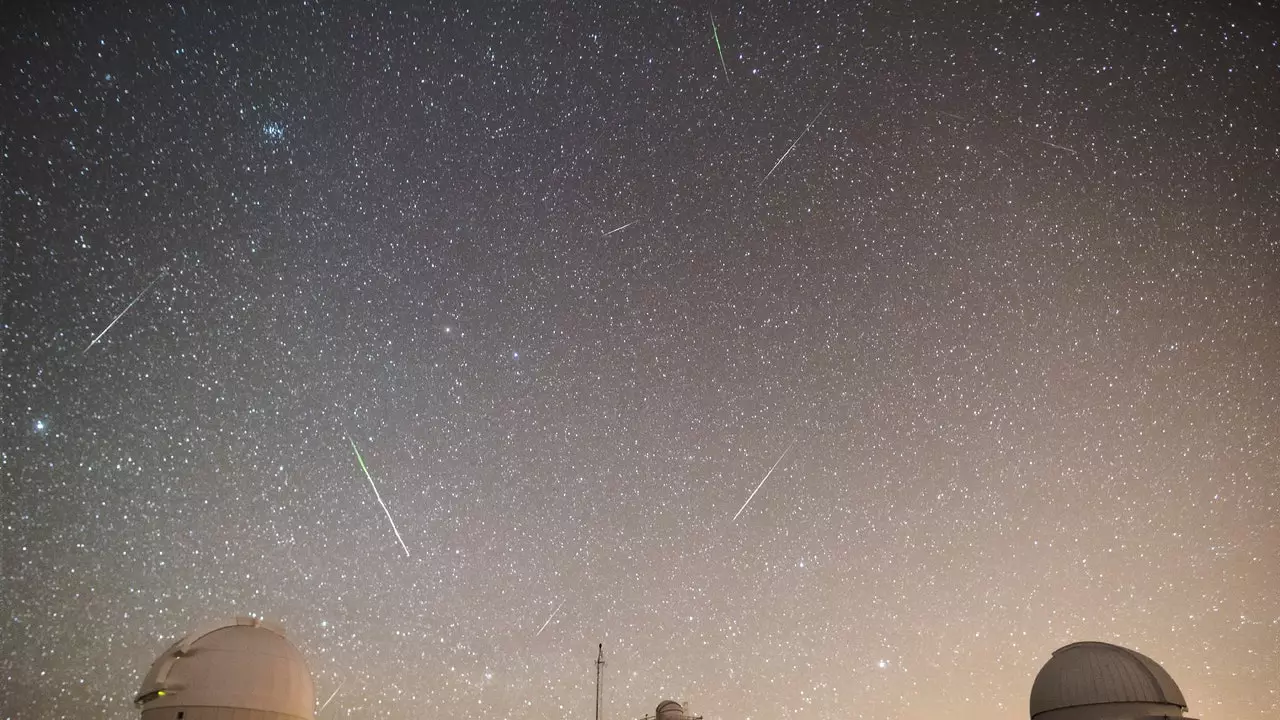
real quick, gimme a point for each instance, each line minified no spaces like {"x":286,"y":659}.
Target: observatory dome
{"x":243,"y":670}
{"x":669,"y":710}
{"x":1100,"y":681}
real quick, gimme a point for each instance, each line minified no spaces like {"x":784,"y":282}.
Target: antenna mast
{"x":599,"y":672}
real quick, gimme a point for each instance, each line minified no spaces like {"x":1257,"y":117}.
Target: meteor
{"x":793,"y":145}
{"x":548,"y":622}
{"x":762,"y":481}
{"x":377,"y":495}
{"x":716,"y":35}
{"x":1063,"y":148}
{"x":617,"y":229}
{"x":331,"y":697}
{"x":125,"y":310}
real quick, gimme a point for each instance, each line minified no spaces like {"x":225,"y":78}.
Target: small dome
{"x":244,"y":665}
{"x":1098,"y":673}
{"x":669,"y":710}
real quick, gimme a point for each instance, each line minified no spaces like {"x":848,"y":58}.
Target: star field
{"x":991,"y":286}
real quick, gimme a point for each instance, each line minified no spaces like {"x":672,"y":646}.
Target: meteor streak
{"x":1064,"y":148}
{"x":793,"y":145}
{"x":548,"y":622}
{"x":762,"y":481}
{"x":331,"y":697}
{"x":125,"y":310}
{"x":377,"y":495}
{"x":1032,"y":138}
{"x":716,"y":34}
{"x":624,"y":227}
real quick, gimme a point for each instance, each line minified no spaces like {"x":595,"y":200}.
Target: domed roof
{"x":669,"y":710}
{"x":242,"y":665}
{"x":1094,"y":673}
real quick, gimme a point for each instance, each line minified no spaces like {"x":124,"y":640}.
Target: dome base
{"x":1115,"y":711}
{"x":214,"y":713}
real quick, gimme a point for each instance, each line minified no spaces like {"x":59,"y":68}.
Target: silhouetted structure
{"x":599,"y":677}
{"x":1100,"y":681}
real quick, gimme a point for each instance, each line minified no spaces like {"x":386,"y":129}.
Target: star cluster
{"x":990,"y":286}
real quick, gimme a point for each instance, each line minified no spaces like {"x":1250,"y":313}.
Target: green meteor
{"x":358,"y":458}
{"x":378,"y":495}
{"x":716,"y":35}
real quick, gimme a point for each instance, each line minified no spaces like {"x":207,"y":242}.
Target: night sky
{"x":994,"y":288}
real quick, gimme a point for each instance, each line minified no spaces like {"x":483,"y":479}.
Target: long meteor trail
{"x":125,"y":310}
{"x":793,"y":145}
{"x":716,"y":34}
{"x":762,"y":481}
{"x":548,"y":622}
{"x":378,"y":496}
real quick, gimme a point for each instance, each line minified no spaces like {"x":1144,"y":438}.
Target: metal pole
{"x":599,"y":672}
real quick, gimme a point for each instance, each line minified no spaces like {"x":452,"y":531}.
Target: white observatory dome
{"x":243,"y":670}
{"x":1100,"y":681}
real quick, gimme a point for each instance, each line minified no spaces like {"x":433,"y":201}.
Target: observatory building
{"x":243,"y":670}
{"x":1100,"y":681}
{"x":671,"y":710}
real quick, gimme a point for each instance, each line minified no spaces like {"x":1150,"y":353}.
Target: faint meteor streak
{"x":793,"y":145}
{"x":617,"y":229}
{"x":1055,"y":146}
{"x":762,"y":481}
{"x":716,"y":34}
{"x":377,"y":495}
{"x":1059,"y":147}
{"x":331,"y":697}
{"x":125,"y":310}
{"x":548,"y":622}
